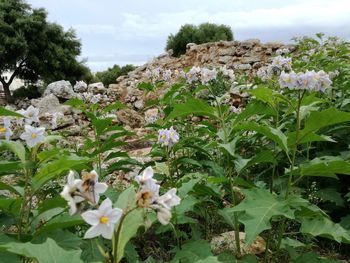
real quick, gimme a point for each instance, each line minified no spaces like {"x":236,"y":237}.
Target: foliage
{"x":275,"y":168}
{"x":34,"y":48}
{"x":203,"y":33}
{"x":30,"y":92}
{"x":110,"y":75}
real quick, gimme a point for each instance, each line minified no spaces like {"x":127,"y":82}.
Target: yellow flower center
{"x":163,"y":137}
{"x":30,"y":114}
{"x":2,"y":130}
{"x":34,"y":135}
{"x":104,"y":219}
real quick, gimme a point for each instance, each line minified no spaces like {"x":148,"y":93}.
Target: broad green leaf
{"x":47,"y":252}
{"x":264,"y":94}
{"x":345,"y":222}
{"x":129,"y":227}
{"x":63,"y":238}
{"x":11,"y":205}
{"x":259,"y":207}
{"x":6,"y":112}
{"x":327,"y":166}
{"x":324,"y":227}
{"x":321,"y":119}
{"x":42,"y":218}
{"x":15,"y":147}
{"x":146,"y":86}
{"x":331,"y":195}
{"x":192,"y":106}
{"x":311,"y":257}
{"x":254,"y":108}
{"x":127,"y":199}
{"x":309,"y":137}
{"x":60,"y":222}
{"x":90,"y":252}
{"x":288,"y":242}
{"x":55,"y":168}
{"x":76,"y":103}
{"x":14,"y":189}
{"x":114,"y":106}
{"x":7,"y":168}
{"x":274,"y":134}
{"x":193,"y":251}
{"x":261,"y":157}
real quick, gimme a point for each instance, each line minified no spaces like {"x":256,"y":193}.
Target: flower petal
{"x":147,"y":173}
{"x":114,"y":215}
{"x":93,"y":231}
{"x":105,"y":206}
{"x":107,"y":231}
{"x":100,"y":188}
{"x":91,"y":217}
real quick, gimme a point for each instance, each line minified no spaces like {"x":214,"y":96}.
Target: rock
{"x":61,"y":89}
{"x":130,"y":117}
{"x":191,"y":46}
{"x":243,"y":67}
{"x":97,"y":88}
{"x":80,"y":87}
{"x":139,"y":104}
{"x":225,"y":242}
{"x":47,"y":104}
{"x":249,"y":60}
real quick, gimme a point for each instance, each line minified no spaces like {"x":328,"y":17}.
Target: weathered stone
{"x":80,"y":87}
{"x":61,"y":89}
{"x":97,"y":88}
{"x":130,"y":117}
{"x":243,"y":67}
{"x":225,"y":242}
{"x":249,"y":60}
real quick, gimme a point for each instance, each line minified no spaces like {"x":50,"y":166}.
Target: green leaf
{"x":47,"y":252}
{"x":91,"y":253}
{"x":145,"y":86}
{"x":129,"y":228}
{"x":254,"y":108}
{"x":264,"y":94}
{"x":259,"y":207}
{"x":192,"y":106}
{"x":14,"y":189}
{"x":6,"y":112}
{"x":76,"y":103}
{"x":261,"y":157}
{"x":324,"y":227}
{"x":60,"y":222}
{"x":127,"y":199}
{"x":330,"y":195}
{"x":327,"y":166}
{"x":10,"y":205}
{"x":321,"y":119}
{"x":15,"y":147}
{"x":193,"y":251}
{"x":114,"y":106}
{"x":63,"y":238}
{"x":274,"y":134}
{"x":9,"y":167}
{"x":43,"y":217}
{"x":55,"y":168}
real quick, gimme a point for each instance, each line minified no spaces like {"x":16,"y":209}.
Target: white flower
{"x":102,"y":220}
{"x":69,"y":193}
{"x":207,"y":75}
{"x":168,"y":137}
{"x":33,"y":136}
{"x":163,"y":215}
{"x":169,"y":199}
{"x":31,"y":114}
{"x":95,"y":99}
{"x":167,"y":75}
{"x":90,"y":187}
{"x":148,"y":184}
{"x":6,"y":129}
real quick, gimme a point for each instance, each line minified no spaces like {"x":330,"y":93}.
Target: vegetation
{"x":33,"y":48}
{"x":203,"y":33}
{"x":30,"y":92}
{"x":110,"y":75}
{"x":276,"y":166}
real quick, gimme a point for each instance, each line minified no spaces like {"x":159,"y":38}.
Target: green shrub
{"x":203,"y":33}
{"x":30,"y":92}
{"x":110,"y":75}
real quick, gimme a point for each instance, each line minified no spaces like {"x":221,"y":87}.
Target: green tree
{"x":203,"y":33}
{"x":110,"y":75}
{"x":32,"y":48}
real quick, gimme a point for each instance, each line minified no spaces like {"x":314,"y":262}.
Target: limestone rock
{"x":97,"y":88}
{"x":61,"y":89}
{"x":130,"y":118}
{"x":80,"y":87}
{"x":225,"y":242}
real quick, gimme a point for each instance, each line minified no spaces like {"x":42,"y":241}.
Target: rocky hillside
{"x":245,"y":56}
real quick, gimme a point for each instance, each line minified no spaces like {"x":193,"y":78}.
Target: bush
{"x":30,"y":92}
{"x":110,"y":75}
{"x":203,"y":33}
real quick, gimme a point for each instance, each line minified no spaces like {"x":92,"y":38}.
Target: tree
{"x":32,"y":48}
{"x":203,"y":33}
{"x":111,"y":74}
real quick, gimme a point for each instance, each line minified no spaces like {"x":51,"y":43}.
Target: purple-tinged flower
{"x":288,"y":80}
{"x":168,"y":137}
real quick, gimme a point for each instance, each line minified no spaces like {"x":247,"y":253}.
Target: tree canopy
{"x":203,"y":33}
{"x":33,"y":48}
{"x":110,"y":75}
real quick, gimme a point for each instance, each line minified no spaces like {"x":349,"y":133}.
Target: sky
{"x":135,"y":31}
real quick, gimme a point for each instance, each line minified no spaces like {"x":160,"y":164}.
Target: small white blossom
{"x":168,"y":137}
{"x":90,"y":187}
{"x":70,"y":193}
{"x":103,"y":220}
{"x":163,"y":215}
{"x":31,"y":114}
{"x":208,"y":75}
{"x":6,"y":130}
{"x":167,"y":75}
{"x":169,"y":199}
{"x":33,"y":136}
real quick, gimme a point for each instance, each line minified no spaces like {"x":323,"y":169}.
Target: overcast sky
{"x":134,"y":31}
